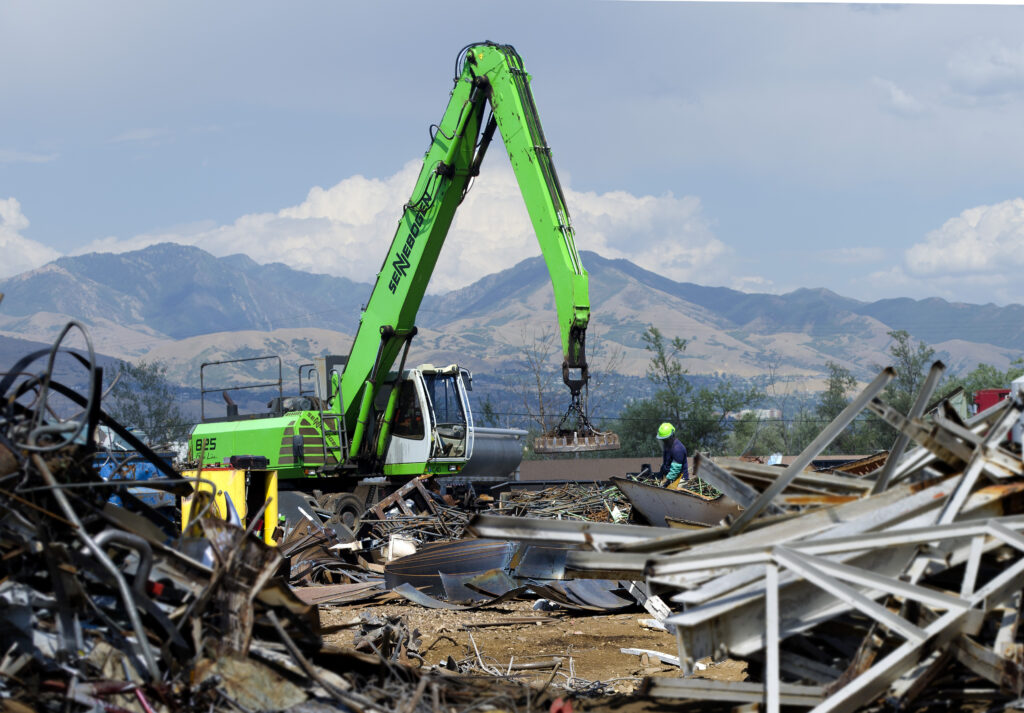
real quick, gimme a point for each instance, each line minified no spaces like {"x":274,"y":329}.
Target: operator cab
{"x":432,"y":429}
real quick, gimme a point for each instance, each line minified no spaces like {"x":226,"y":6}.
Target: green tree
{"x":752,"y":436}
{"x":834,"y":399}
{"x":489,"y":413}
{"x":803,"y":429}
{"x":855,"y":438}
{"x":143,"y":398}
{"x":700,"y":415}
{"x":638,"y":422}
{"x":983,"y":376}
{"x":912,"y":365}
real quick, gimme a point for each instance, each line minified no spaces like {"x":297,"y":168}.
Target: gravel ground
{"x":588,"y":645}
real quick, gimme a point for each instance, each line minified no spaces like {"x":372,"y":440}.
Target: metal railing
{"x":203,"y":391}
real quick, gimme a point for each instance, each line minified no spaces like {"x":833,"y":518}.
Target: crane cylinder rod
{"x":485,"y":141}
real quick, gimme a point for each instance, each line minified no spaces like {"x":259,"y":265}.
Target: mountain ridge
{"x":148,"y":300}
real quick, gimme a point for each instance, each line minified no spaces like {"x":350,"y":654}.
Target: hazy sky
{"x":876,"y":150}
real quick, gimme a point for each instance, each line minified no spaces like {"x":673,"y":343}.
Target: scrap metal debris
{"x":571,"y":501}
{"x":889,"y":588}
{"x":113,"y":608}
{"x":891,"y":583}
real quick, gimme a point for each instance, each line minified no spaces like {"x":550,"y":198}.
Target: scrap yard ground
{"x":591,"y":642}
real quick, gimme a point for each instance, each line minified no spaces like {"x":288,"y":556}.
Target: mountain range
{"x":184,"y":306}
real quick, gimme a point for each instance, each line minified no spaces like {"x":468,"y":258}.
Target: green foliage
{"x":803,"y":429}
{"x":754,"y":437}
{"x":912,"y":365}
{"x":833,"y":399}
{"x":858,"y":437}
{"x":637,"y":424}
{"x":983,"y":376}
{"x":489,"y":414}
{"x":699,"y":413}
{"x":142,"y":398}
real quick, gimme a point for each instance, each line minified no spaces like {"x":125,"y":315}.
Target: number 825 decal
{"x":206,"y":444}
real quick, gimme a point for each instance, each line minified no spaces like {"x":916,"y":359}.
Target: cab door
{"x":411,"y":431}
{"x":453,"y":422}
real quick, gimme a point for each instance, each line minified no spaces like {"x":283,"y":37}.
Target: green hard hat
{"x":665,"y":430}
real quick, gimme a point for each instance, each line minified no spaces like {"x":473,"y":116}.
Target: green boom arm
{"x":489,"y":74}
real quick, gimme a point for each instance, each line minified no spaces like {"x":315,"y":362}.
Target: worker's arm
{"x":676,"y":458}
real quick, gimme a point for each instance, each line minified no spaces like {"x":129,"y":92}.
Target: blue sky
{"x":872,"y":149}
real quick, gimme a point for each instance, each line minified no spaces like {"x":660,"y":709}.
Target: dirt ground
{"x":588,"y":645}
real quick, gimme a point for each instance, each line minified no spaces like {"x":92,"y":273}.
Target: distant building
{"x":761,"y":414}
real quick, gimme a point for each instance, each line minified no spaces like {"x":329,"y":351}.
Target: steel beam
{"x":902,"y":439}
{"x":895,"y":506}
{"x":734,"y":691}
{"x":736,"y":623}
{"x":505,"y":527}
{"x":976,"y":465}
{"x":707,"y":470}
{"x":813,"y":481}
{"x":874,"y":682}
{"x":816,"y":447}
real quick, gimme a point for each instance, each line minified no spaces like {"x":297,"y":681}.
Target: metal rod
{"x":902,"y":439}
{"x":811,"y":452}
{"x":101,"y":556}
{"x":771,"y":638}
{"x":127,"y":539}
{"x":977,"y":463}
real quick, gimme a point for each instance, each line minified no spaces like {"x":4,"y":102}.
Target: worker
{"x":673,"y":462}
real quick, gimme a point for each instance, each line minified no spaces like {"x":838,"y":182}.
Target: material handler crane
{"x":365,"y":419}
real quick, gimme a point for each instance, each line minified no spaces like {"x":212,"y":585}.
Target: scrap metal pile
{"x":571,"y":501}
{"x":903,"y":591}
{"x":895,"y":584}
{"x":112,"y":608}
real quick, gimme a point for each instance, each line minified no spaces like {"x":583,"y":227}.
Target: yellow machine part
{"x":233,"y":483}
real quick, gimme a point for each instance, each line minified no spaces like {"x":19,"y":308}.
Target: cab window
{"x":408,"y":418}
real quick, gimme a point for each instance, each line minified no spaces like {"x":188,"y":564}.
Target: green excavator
{"x":359,"y":420}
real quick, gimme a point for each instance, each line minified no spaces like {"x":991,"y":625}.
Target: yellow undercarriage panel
{"x":229,"y":487}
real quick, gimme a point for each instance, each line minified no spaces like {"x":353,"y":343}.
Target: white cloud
{"x":988,"y":70}
{"x":988,"y":239}
{"x":346,"y":229}
{"x":13,"y":156}
{"x":755,"y":284}
{"x":975,"y":257}
{"x":897,"y":100}
{"x":19,"y":253}
{"x":664,"y":234}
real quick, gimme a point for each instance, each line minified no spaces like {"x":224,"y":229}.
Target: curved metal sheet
{"x":414,"y":595}
{"x":655,"y":503}
{"x":460,"y":558}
